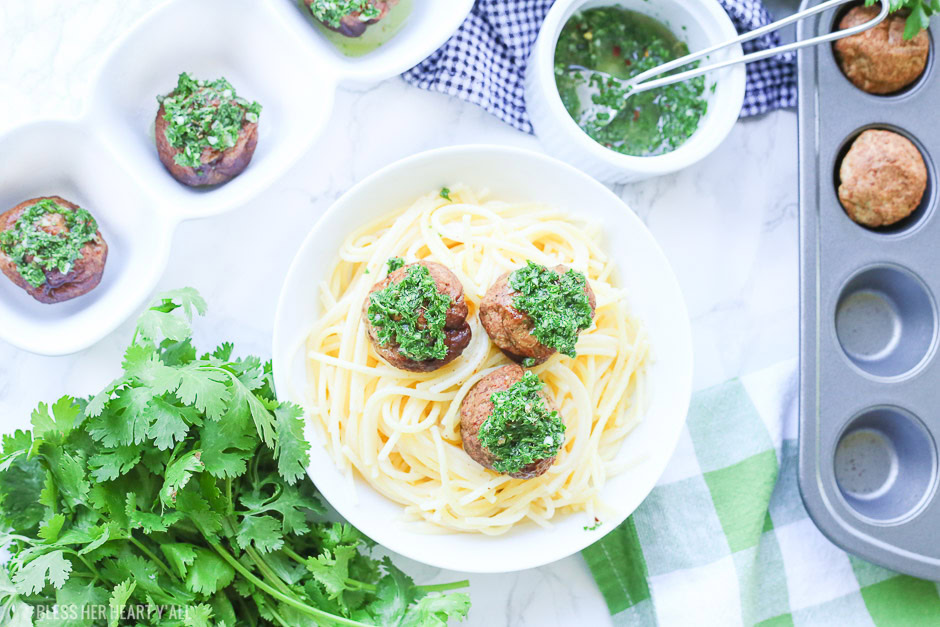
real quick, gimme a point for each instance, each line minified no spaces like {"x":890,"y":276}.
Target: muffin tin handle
{"x":641,"y":81}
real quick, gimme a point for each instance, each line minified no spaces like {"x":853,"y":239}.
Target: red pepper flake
{"x":617,"y":51}
{"x":627,"y":62}
{"x":636,"y":115}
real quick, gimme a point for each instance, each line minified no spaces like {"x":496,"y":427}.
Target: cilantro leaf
{"x":919,"y":16}
{"x":205,"y":389}
{"x":77,"y":594}
{"x":394,"y":593}
{"x":194,"y":506}
{"x":113,"y":463}
{"x":292,"y":449}
{"x":98,"y":535}
{"x":229,"y":443}
{"x":21,"y":484}
{"x":120,"y":595}
{"x":208,"y":572}
{"x":64,"y":413}
{"x":168,"y":426}
{"x":154,"y":323}
{"x":52,"y":567}
{"x":144,"y":364}
{"x":126,"y":419}
{"x":178,"y":474}
{"x":180,"y":556}
{"x":188,"y":298}
{"x":290,"y":502}
{"x":67,"y":469}
{"x":437,"y":609}
{"x":49,"y":530}
{"x":331,"y":568}
{"x":14,"y":446}
{"x":264,"y":532}
{"x":198,"y":616}
{"x":182,"y":483}
{"x":149,"y":522}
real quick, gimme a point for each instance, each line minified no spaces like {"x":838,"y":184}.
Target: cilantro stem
{"x":91,"y":569}
{"x":283,"y":598}
{"x":152,"y":556}
{"x":300,"y":559}
{"x":277,"y":617}
{"x":444,"y":587}
{"x":439,"y":587}
{"x":291,"y":553}
{"x":266,"y":571}
{"x":228,"y":495}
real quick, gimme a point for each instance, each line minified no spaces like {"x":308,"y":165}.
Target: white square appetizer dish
{"x":111,"y":161}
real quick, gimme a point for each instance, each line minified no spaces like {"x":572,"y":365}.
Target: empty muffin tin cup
{"x":886,"y":321}
{"x":885,"y":464}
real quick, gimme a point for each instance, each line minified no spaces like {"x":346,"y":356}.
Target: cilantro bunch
{"x":411,"y":314}
{"x":920,"y":12}
{"x":331,"y":12}
{"x":180,"y":487}
{"x":35,"y":251}
{"x":556,"y":303}
{"x":204,"y":114}
{"x":521,"y":429}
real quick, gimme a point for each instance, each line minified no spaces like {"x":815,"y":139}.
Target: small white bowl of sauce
{"x":661,"y":131}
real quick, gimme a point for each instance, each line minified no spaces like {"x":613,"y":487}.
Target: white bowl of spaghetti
{"x":387,"y":452}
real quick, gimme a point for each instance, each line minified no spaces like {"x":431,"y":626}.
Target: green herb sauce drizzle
{"x":521,"y":429}
{"x":394,"y":263}
{"x":396,"y":311}
{"x":624,"y":44}
{"x":556,"y":303}
{"x":36,"y":251}
{"x":204,"y":114}
{"x":330,"y":12}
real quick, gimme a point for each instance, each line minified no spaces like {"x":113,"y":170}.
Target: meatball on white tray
{"x":106,"y":159}
{"x":870,"y":282}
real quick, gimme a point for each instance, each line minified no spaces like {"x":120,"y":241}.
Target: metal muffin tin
{"x":869,"y":370}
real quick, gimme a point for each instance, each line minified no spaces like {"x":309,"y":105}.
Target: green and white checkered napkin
{"x":723,"y":539}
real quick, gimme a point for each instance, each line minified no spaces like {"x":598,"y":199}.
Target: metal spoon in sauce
{"x":604,"y":114}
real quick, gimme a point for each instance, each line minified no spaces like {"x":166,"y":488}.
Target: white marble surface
{"x":729,"y":226}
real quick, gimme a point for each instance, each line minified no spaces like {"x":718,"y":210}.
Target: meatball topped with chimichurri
{"x":535,"y":311}
{"x":417,"y":316}
{"x":509,"y":425}
{"x":206,"y":134}
{"x":883,"y":59}
{"x":52,"y":248}
{"x":349,"y":17}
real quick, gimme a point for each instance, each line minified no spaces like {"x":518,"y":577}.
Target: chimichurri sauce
{"x":623,"y":44}
{"x":376,"y":34}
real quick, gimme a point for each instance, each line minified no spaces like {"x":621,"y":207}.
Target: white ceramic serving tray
{"x":106,"y":160}
{"x":515,"y":175}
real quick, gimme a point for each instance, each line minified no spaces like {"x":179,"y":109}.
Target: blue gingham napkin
{"x":484,"y":62}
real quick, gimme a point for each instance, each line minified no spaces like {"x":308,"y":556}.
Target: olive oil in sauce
{"x":375,"y":35}
{"x":624,"y":44}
